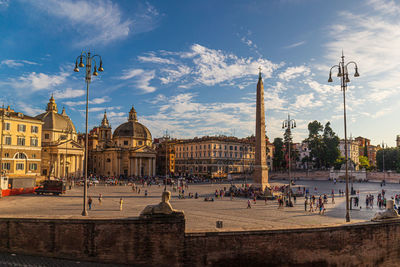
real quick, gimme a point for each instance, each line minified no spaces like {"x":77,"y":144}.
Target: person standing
{"x":248,"y":204}
{"x":100,"y":199}
{"x":305,"y":204}
{"x":90,"y":203}
{"x":121,"y":201}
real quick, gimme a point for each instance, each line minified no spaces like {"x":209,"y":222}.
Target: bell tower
{"x":132,"y":115}
{"x":52,"y":106}
{"x":104,"y":131}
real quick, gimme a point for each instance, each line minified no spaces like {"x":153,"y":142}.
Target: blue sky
{"x":190,"y":67}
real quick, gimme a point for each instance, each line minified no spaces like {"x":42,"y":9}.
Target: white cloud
{"x":305,"y":101}
{"x":203,"y":66}
{"x":39,"y":81}
{"x":12,"y":63}
{"x":95,"y":101}
{"x":186,"y":117}
{"x":295,"y":44}
{"x":68,"y":93}
{"x":27,"y":109}
{"x":142,"y":79}
{"x":294,"y":72}
{"x":100,"y":21}
{"x":4,"y":3}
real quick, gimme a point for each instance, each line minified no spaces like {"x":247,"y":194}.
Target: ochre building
{"x":21,"y":144}
{"x":214,"y":156}
{"x":62,"y":155}
{"x":127,"y":152}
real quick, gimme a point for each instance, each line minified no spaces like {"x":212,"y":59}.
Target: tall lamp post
{"x":344,"y":79}
{"x":88,"y":58}
{"x":289,"y":124}
{"x":383,"y":160}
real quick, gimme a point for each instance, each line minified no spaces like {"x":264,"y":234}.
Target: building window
{"x":34,"y":141}
{"x":20,"y":156}
{"x":235,"y":148}
{"x":21,"y":127}
{"x":21,"y":141}
{"x":34,"y":129}
{"x":230,"y":147}
{"x":108,"y":160}
{"x":46,"y":136}
{"x":33,"y":166}
{"x":7,"y":140}
{"x":33,"y":156}
{"x":7,"y":155}
{"x":140,"y":143}
{"x":125,"y":143}
{"x":6,"y":166}
{"x":19,"y":166}
{"x":7,"y":126}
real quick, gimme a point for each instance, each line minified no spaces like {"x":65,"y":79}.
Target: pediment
{"x":144,"y":149}
{"x":69,"y":144}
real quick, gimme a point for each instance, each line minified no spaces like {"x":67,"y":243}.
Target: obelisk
{"x":260,"y":178}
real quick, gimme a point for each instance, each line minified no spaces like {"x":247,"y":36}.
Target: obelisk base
{"x":260,"y":180}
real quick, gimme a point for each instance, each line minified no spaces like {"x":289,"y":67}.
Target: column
{"x":76,"y":166}
{"x":154,"y":166}
{"x":57,"y":170}
{"x":140,"y":166}
{"x":149,"y":167}
{"x":136,"y":167}
{"x":81,"y":165}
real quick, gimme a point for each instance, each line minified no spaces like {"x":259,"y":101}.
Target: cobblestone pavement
{"x":16,"y":260}
{"x":200,"y":215}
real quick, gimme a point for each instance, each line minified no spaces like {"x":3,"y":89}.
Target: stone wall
{"x":370,"y":244}
{"x":162,"y":241}
{"x":304,"y":175}
{"x":390,"y":177}
{"x":156,"y":242}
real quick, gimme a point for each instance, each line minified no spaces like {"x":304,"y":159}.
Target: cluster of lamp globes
{"x":285,"y":125}
{"x":81,"y":65}
{"x":346,"y":74}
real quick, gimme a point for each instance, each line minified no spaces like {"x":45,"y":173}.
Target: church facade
{"x":62,"y":156}
{"x":127,"y":152}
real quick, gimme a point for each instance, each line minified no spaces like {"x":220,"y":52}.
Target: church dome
{"x":132,"y":128}
{"x":55,"y":121}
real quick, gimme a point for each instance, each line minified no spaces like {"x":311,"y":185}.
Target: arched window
{"x":20,"y":156}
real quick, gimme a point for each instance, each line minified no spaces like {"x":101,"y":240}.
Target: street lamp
{"x":383,"y":161}
{"x":88,"y":58}
{"x":289,"y":124}
{"x":344,"y":78}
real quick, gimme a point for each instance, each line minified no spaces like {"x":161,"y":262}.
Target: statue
{"x":389,"y":213}
{"x":162,"y":208}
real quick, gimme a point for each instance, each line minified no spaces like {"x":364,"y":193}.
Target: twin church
{"x":48,"y":145}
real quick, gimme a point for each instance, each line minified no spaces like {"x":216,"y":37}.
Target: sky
{"x":191,"y":67}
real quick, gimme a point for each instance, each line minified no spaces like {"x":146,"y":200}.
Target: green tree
{"x":364,"y":162}
{"x":366,"y":151}
{"x":392,"y":159}
{"x":278,"y":159}
{"x":339,"y":162}
{"x":314,"y":141}
{"x":330,"y":146}
{"x":288,"y":141}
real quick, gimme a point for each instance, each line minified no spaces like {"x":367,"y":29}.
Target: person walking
{"x":121,"y":201}
{"x":100,"y":199}
{"x":90,"y":203}
{"x":248,"y":204}
{"x":305,"y":204}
